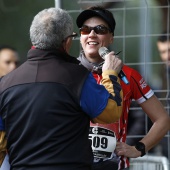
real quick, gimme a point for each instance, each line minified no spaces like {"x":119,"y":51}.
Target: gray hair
{"x":50,"y":27}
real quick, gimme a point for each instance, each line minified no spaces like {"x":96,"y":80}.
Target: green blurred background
{"x":139,"y":23}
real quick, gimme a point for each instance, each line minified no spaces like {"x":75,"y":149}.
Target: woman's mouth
{"x":92,"y":43}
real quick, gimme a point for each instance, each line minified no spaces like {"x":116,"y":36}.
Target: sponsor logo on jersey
{"x":142,"y":83}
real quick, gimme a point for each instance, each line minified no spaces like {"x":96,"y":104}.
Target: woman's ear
{"x":111,"y":40}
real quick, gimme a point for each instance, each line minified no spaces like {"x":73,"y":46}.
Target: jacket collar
{"x":35,"y":54}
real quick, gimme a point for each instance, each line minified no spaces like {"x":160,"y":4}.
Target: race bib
{"x":103,"y":142}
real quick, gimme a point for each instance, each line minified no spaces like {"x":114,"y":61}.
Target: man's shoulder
{"x":11,"y":78}
{"x":74,"y":65}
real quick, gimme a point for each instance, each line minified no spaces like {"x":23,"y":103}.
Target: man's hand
{"x":112,"y":63}
{"x":122,"y":149}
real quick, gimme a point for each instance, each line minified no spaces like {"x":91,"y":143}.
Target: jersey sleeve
{"x":141,"y":90}
{"x":94,"y":97}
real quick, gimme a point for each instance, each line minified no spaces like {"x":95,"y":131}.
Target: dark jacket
{"x":40,"y":104}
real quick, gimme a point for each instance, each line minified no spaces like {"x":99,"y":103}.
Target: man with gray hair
{"x":47,"y":103}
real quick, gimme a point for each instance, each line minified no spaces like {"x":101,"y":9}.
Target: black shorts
{"x":105,"y":165}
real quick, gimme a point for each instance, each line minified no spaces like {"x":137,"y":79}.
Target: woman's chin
{"x":92,"y":54}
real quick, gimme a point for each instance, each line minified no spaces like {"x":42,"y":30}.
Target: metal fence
{"x":138,"y":25}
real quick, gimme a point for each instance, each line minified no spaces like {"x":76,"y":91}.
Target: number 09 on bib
{"x":103,"y":142}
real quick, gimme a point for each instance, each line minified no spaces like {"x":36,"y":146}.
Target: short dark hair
{"x":2,"y":47}
{"x":165,"y":36}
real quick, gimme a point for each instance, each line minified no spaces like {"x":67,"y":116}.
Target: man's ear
{"x":80,"y":39}
{"x":67,"y":44}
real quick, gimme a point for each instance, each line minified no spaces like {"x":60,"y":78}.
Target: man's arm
{"x":112,"y":84}
{"x":3,"y":143}
{"x":103,"y":103}
{"x":161,"y":124}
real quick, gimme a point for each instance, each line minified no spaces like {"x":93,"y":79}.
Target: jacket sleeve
{"x":103,"y":103}
{"x":3,"y":143}
{"x":113,"y":109}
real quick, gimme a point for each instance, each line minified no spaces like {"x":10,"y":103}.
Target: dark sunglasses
{"x":99,"y":29}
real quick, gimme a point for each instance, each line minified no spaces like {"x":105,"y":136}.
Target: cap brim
{"x":86,"y":15}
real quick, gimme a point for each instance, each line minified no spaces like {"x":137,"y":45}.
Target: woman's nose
{"x":92,"y":34}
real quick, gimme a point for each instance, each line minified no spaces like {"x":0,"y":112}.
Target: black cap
{"x":104,"y":14}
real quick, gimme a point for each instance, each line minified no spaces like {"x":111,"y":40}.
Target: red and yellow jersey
{"x":138,"y":90}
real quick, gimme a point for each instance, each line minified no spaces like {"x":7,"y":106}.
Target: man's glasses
{"x":99,"y":29}
{"x":73,"y":36}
